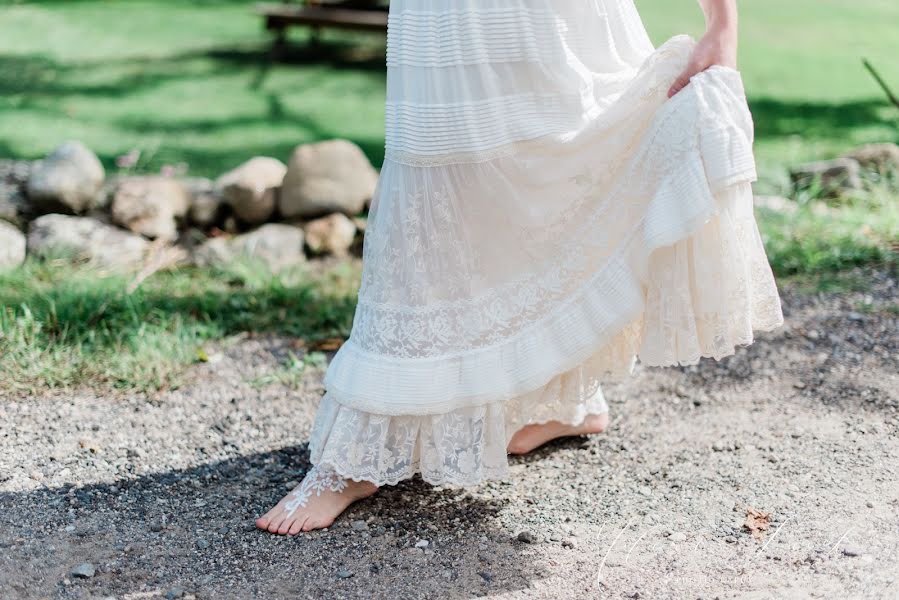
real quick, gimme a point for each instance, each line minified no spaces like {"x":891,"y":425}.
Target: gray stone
{"x":83,"y":571}
{"x":12,"y":246}
{"x":344,"y":574}
{"x":15,"y":171}
{"x":85,"y":239}
{"x":326,"y":177}
{"x":252,"y":188}
{"x":13,"y":204}
{"x":150,"y":205}
{"x":678,"y":537}
{"x":883,"y":157}
{"x":68,"y":180}
{"x":275,"y":245}
{"x":333,"y":234}
{"x":528,"y":537}
{"x":174,"y":593}
{"x":833,"y":176}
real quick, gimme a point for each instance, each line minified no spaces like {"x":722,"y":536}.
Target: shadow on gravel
{"x":192,"y":531}
{"x":854,"y":333}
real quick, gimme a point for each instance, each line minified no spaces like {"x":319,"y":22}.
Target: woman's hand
{"x":717,"y":47}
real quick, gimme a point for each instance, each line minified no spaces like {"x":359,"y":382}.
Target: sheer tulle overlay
{"x":545,"y":216}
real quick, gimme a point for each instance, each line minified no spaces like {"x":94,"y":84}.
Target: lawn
{"x":187,"y":82}
{"x":61,"y":326}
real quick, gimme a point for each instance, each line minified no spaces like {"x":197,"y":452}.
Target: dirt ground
{"x":125,"y":496}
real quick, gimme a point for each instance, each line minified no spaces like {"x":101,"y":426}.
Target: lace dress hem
{"x":499,"y":293}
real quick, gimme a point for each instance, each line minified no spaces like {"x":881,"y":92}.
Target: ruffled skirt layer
{"x":501,"y":285}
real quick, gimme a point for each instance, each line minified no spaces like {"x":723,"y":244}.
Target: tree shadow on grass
{"x":38,"y":84}
{"x":194,"y":529}
{"x":776,"y":118}
{"x":39,"y":75}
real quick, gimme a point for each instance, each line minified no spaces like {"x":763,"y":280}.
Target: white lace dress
{"x":544,"y":217}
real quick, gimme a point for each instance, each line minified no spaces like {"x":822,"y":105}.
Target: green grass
{"x":820,"y":240}
{"x":186,"y":82}
{"x":61,"y":326}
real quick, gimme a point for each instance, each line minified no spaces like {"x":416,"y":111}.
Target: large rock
{"x":85,"y":239}
{"x":150,"y":205}
{"x":252,"y":188}
{"x":883,"y":158}
{"x":333,"y":234}
{"x":326,"y":177}
{"x":833,"y":176}
{"x":275,"y":245}
{"x":12,"y":246}
{"x":69,"y":180}
{"x":14,"y":206}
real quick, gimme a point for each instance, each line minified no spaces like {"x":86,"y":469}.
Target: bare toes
{"x":297,"y":525}
{"x":275,"y":523}
{"x":317,"y":524}
{"x":285,"y":526}
{"x":318,"y":500}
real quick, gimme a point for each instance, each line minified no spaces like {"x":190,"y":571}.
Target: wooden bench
{"x":362,"y":15}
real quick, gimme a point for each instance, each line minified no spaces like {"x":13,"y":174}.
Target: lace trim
{"x":461,"y":447}
{"x":318,"y":480}
{"x":729,"y":292}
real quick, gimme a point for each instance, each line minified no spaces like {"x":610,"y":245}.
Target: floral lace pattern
{"x":508,"y":274}
{"x":419,"y":297}
{"x":461,"y":447}
{"x":318,"y":480}
{"x":509,"y":270}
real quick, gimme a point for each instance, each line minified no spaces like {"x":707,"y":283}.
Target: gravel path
{"x":134,"y":497}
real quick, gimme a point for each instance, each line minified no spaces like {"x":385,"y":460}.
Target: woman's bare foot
{"x":533,"y":436}
{"x":315,"y":503}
